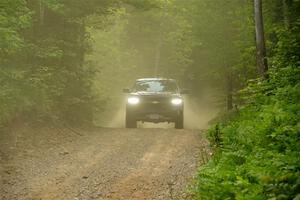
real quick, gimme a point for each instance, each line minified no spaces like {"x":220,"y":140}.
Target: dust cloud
{"x":198,"y":113}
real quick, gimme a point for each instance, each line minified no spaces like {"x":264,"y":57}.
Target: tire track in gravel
{"x":152,"y":166}
{"x":89,"y":158}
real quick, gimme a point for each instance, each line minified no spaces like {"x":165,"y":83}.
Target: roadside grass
{"x":257,"y":151}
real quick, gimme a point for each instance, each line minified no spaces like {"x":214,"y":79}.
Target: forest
{"x":67,"y":61}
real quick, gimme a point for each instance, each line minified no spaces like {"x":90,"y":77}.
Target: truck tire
{"x":179,"y":121}
{"x":130,"y":121}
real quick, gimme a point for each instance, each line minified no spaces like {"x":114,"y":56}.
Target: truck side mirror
{"x":126,"y":90}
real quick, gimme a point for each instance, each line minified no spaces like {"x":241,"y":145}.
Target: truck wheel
{"x":130,"y":122}
{"x":179,"y":121}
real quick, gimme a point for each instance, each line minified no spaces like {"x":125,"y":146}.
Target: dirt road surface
{"x":101,"y":163}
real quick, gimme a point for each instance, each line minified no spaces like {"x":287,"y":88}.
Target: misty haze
{"x":149,"y":99}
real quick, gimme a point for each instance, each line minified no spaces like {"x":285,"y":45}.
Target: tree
{"x":260,"y":39}
{"x":43,"y":47}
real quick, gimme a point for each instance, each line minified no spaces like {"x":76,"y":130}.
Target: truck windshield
{"x":155,"y":86}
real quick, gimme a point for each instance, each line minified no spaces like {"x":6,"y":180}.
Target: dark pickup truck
{"x":154,"y":100}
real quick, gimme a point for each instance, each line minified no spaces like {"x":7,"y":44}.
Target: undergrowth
{"x":257,"y":152}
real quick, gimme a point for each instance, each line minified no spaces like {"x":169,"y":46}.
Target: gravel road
{"x":100,"y":163}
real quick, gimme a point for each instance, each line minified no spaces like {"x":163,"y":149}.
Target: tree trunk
{"x":42,"y":12}
{"x":157,"y":55}
{"x":261,"y":58}
{"x":160,"y":41}
{"x":285,"y":13}
{"x":229,"y":91}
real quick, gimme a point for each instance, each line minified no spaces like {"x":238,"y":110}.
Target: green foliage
{"x":223,"y":51}
{"x":257,"y":151}
{"x":14,"y":16}
{"x":43,"y":71}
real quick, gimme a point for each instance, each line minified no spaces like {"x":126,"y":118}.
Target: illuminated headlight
{"x":133,"y":100}
{"x":176,"y":101}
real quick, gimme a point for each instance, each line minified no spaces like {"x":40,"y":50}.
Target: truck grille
{"x":153,"y":104}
